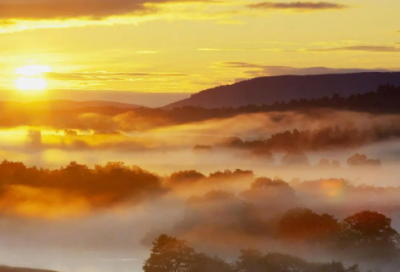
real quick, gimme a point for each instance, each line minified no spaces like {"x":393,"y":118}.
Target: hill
{"x":67,"y":105}
{"x":4,"y":268}
{"x":268,"y":90}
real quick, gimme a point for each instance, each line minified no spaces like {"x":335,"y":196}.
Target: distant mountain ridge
{"x":268,"y":90}
{"x":66,"y":104}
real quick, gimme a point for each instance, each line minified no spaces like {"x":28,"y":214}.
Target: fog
{"x":103,"y":221}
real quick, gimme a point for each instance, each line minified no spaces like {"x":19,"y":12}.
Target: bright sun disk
{"x":31,"y":83}
{"x":31,"y":79}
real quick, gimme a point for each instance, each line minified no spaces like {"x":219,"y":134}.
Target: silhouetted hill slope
{"x":268,"y":90}
{"x":18,"y":269}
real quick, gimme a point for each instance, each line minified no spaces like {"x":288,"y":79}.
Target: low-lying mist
{"x":93,"y":197}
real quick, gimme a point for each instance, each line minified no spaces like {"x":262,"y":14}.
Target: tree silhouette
{"x":170,"y":255}
{"x":205,"y":263}
{"x":304,"y":225}
{"x":362,"y":160}
{"x":184,"y":178}
{"x":250,"y":260}
{"x":272,"y":196}
{"x":173,"y":255}
{"x":370,"y":233}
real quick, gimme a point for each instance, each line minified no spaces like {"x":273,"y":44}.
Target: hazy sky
{"x":186,"y":46}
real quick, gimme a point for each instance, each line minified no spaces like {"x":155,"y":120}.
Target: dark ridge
{"x":268,"y":90}
{"x":4,"y":268}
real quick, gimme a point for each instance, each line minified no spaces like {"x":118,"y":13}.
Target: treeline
{"x":191,"y":177}
{"x":77,"y":189}
{"x":362,"y":236}
{"x":104,"y":119}
{"x":295,"y":147}
{"x":329,"y":138}
{"x":385,"y":100}
{"x":78,"y":186}
{"x":99,"y":187}
{"x":273,"y":212}
{"x":170,"y":254}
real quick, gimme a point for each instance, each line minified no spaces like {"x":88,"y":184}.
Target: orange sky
{"x":167,"y":46}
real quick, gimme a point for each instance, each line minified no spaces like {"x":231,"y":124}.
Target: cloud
{"x":106,"y":76}
{"x":147,"y":52}
{"x":256,"y":70}
{"x":233,"y":49}
{"x":6,"y":23}
{"x":67,"y":9}
{"x":363,"y":48}
{"x":22,"y":15}
{"x":297,"y":6}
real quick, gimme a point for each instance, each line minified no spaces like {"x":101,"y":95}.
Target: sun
{"x":31,"y":78}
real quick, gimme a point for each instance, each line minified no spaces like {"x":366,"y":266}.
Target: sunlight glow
{"x":31,"y":84}
{"x":31,"y":80}
{"x":33,"y":70}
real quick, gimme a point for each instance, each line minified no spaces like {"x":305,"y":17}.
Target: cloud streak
{"x":257,"y":70}
{"x":106,"y":76}
{"x":297,"y":6}
{"x":362,"y":48}
{"x":67,"y":9}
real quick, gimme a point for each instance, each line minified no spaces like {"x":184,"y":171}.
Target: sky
{"x":175,"y":48}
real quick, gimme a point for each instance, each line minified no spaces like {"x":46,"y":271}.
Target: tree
{"x":334,"y":267}
{"x":205,"y":263}
{"x":202,"y":149}
{"x":173,"y":255}
{"x":285,"y":263}
{"x":273,"y":196}
{"x":362,"y":160}
{"x":370,"y":233}
{"x":250,"y":260}
{"x":170,"y":255}
{"x":254,"y":261}
{"x":304,"y":225}
{"x":295,"y":158}
{"x":184,"y":178}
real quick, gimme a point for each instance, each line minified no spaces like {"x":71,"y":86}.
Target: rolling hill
{"x":4,"y":268}
{"x":69,"y":104}
{"x":66,"y":105}
{"x":268,"y":90}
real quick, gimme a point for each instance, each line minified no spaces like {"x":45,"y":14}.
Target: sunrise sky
{"x":165,"y":46}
